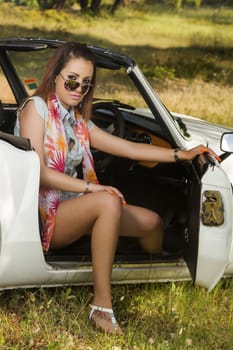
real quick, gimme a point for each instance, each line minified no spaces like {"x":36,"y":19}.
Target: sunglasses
{"x":72,"y":85}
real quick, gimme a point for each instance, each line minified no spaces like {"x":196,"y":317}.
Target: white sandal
{"x":116,"y":327}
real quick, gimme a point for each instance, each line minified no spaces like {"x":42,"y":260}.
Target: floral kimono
{"x":56,"y":152}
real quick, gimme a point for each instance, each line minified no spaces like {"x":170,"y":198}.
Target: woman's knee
{"x":151,"y":222}
{"x":152,"y":237}
{"x":109,"y":204}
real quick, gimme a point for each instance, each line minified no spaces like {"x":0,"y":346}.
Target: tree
{"x":51,"y":4}
{"x":84,"y":5}
{"x":116,"y":4}
{"x":94,"y":6}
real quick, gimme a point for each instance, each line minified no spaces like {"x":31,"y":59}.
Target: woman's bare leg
{"x":99,"y":213}
{"x":144,"y":224}
{"x":104,"y":215}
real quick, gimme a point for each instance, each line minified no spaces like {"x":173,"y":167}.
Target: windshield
{"x":110,"y":84}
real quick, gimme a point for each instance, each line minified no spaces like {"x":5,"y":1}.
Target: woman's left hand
{"x":193,"y":152}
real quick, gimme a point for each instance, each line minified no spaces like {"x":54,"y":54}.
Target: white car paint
{"x":22,"y":261}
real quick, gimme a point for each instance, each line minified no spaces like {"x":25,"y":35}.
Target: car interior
{"x":162,"y":187}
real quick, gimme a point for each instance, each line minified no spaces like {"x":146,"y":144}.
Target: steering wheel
{"x":109,"y":118}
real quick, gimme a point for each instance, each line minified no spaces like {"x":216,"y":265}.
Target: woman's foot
{"x":104,"y":320}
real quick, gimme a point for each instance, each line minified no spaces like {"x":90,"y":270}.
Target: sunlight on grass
{"x":207,"y":101}
{"x":160,"y":29}
{"x":154,"y":316}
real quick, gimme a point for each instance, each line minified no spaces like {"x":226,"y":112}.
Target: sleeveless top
{"x":62,"y":127}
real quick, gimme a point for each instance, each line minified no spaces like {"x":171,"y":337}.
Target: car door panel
{"x":215,"y":234}
{"x":21,"y":255}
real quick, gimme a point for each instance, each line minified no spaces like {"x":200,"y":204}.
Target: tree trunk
{"x":58,"y":4}
{"x":116,"y":4}
{"x":83,"y":4}
{"x":95,"y":5}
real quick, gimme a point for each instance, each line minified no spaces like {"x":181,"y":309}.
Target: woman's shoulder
{"x":39,"y":101}
{"x":40,"y":105}
{"x":36,"y":98}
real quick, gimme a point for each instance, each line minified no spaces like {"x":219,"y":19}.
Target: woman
{"x":57,"y":120}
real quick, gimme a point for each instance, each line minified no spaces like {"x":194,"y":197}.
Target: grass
{"x":210,"y":101}
{"x":187,"y":56}
{"x":169,"y":316}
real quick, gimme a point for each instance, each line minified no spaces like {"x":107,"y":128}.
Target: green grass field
{"x":169,"y":316}
{"x":187,"y":56}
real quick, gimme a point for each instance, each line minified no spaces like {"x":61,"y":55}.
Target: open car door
{"x":209,"y":232}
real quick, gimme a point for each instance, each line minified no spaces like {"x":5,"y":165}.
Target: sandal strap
{"x":104,"y":309}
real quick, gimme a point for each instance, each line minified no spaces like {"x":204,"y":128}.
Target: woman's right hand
{"x":111,"y":190}
{"x":195,"y":151}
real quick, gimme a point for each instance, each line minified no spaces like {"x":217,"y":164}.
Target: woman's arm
{"x":108,"y":143}
{"x":32,"y":127}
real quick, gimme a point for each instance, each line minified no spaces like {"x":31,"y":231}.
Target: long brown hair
{"x":57,"y":62}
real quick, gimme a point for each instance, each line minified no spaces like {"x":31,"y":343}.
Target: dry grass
{"x":209,"y":101}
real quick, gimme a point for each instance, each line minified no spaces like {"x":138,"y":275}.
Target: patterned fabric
{"x":56,"y":152}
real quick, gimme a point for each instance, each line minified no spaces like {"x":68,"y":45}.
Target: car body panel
{"x":22,"y":260}
{"x":215,"y":240}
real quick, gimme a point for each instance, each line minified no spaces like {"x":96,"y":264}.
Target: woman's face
{"x":77,"y":70}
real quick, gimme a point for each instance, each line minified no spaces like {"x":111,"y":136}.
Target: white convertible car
{"x":194,"y":198}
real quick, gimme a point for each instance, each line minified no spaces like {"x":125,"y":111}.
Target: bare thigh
{"x":144,"y":224}
{"x":76,"y":217}
{"x":135,"y":221}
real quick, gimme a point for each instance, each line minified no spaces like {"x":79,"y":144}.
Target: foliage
{"x":158,"y":72}
{"x":95,"y":7}
{"x":51,"y":4}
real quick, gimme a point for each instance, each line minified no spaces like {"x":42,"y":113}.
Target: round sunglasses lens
{"x":71,"y":85}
